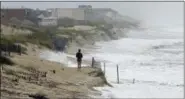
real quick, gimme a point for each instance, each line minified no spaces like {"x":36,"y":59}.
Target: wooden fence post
{"x":104,"y":67}
{"x":92,"y":62}
{"x":7,"y":49}
{"x":20,"y":50}
{"x":117,"y":74}
{"x":133,"y":81}
{"x":0,"y":43}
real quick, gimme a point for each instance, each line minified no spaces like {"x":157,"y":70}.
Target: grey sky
{"x":152,"y":12}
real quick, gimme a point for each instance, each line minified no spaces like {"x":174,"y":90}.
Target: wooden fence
{"x":96,"y":64}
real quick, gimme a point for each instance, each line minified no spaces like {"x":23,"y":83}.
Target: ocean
{"x":150,"y":63}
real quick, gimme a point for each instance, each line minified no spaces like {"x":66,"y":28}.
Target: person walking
{"x":79,"y":57}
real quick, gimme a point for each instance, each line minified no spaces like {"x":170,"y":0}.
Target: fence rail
{"x":96,"y":64}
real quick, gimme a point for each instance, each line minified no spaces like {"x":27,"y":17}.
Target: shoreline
{"x":87,"y":64}
{"x":58,"y":75}
{"x":79,"y":85}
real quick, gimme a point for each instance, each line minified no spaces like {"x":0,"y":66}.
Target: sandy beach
{"x":33,"y":76}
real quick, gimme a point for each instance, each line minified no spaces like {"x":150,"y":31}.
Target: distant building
{"x":48,"y":21}
{"x":84,"y":12}
{"x":106,"y":14}
{"x":22,"y":14}
{"x":73,"y":13}
{"x":7,"y":14}
{"x":19,"y":14}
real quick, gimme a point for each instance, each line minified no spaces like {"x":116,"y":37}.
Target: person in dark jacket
{"x":79,"y":57}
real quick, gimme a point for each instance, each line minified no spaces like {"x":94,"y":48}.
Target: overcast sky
{"x":152,"y":12}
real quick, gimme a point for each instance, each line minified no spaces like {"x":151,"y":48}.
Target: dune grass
{"x":38,"y":38}
{"x":5,"y":60}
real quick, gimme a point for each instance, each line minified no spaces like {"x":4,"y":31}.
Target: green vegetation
{"x":5,"y":60}
{"x":10,"y":72}
{"x":42,"y":36}
{"x":71,"y":32}
{"x":68,"y":22}
{"x":107,"y":32}
{"x":37,"y":37}
{"x":38,"y":96}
